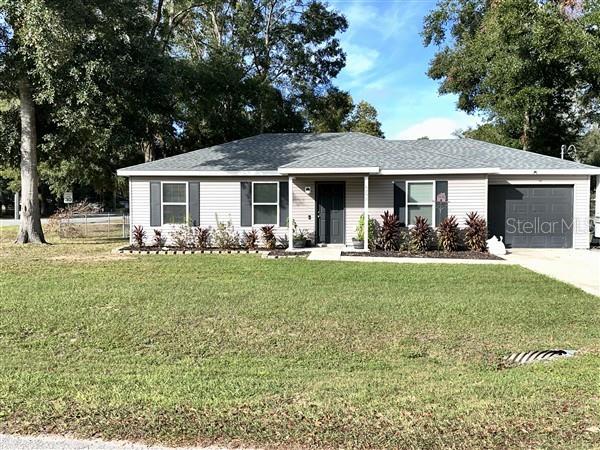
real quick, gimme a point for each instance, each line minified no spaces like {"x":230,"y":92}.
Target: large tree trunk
{"x":148,"y":151}
{"x":525,"y":132}
{"x":30,"y":230}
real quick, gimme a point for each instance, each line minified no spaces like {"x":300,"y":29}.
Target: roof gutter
{"x":196,"y":173}
{"x":482,"y":170}
{"x":586,"y":171}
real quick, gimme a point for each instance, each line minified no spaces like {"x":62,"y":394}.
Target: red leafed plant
{"x":447,"y":232}
{"x":139,"y":236}
{"x":420,"y":234}
{"x":268,"y":236}
{"x":158,"y":240}
{"x":202,"y":237}
{"x":389,"y":233}
{"x":251,"y":239}
{"x":476,"y":232}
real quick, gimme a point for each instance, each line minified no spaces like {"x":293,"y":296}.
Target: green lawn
{"x":240,"y":350}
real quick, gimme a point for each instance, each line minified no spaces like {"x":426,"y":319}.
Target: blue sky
{"x":387,"y":64}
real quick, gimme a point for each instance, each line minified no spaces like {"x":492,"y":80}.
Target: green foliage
{"x":202,"y":237}
{"x":532,"y":67}
{"x":490,"y":132}
{"x":329,"y":112}
{"x":360,"y":230}
{"x":364,"y":120}
{"x":251,"y":352}
{"x":588,"y":147}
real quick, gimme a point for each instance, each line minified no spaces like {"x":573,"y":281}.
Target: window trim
{"x":276,"y":203}
{"x":432,"y":203}
{"x":163,"y":203}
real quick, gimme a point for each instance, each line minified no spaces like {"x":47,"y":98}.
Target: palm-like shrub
{"x":420,"y":234}
{"x":389,"y":233}
{"x":251,"y":239}
{"x":476,"y":232}
{"x":202,"y":238}
{"x":447,"y":232}
{"x":268,"y":236}
{"x":158,"y":240}
{"x":139,"y":236}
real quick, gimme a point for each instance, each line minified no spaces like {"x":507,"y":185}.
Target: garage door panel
{"x":532,"y":216}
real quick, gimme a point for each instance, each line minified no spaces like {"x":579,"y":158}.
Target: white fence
{"x":98,"y":225}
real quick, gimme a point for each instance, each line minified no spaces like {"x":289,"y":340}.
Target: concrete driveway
{"x":580,"y":268}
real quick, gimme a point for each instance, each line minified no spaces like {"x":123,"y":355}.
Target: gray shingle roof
{"x":269,"y":152}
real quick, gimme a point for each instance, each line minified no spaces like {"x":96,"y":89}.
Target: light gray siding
{"x":581,"y":199}
{"x":219,"y":197}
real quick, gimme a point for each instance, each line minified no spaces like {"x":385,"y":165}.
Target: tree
{"x":531,"y":66}
{"x":329,"y":112}
{"x":588,"y":147}
{"x":82,"y":71}
{"x":489,"y":132}
{"x":364,"y":120}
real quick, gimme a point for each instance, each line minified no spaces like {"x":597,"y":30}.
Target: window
{"x":174,"y":203}
{"x":265,"y":203}
{"x":419,"y":201}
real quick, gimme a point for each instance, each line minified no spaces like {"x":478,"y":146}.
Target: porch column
{"x":290,"y":213}
{"x":597,"y":206}
{"x":366,"y":213}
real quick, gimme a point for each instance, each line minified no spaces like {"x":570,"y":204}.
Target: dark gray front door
{"x":531,"y":216}
{"x":330,"y":212}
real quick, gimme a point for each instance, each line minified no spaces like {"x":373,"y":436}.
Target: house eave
{"x":583,"y":172}
{"x":196,"y":173}
{"x":482,"y":170}
{"x":327,"y":170}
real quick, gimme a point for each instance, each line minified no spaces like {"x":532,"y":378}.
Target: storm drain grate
{"x":540,"y":355}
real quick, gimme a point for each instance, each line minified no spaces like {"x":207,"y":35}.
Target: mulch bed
{"x":285,"y":254}
{"x":130,"y":249}
{"x":429,"y":254}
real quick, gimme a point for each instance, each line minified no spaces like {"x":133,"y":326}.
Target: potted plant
{"x":358,"y":242}
{"x":300,"y":237}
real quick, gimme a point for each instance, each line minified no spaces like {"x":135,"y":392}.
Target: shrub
{"x":420,"y":234}
{"x":139,"y":236}
{"x":251,"y":239}
{"x":225,"y":236}
{"x":183,"y":237}
{"x":476,"y":232}
{"x":202,"y":237}
{"x":283,"y":241}
{"x":360,"y":230}
{"x":268,"y":236}
{"x":447,"y":232}
{"x":158,"y":240}
{"x":389,"y":233}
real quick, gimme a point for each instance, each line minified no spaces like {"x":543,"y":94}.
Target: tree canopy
{"x":531,"y":67}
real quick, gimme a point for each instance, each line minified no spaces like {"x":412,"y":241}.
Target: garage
{"x":532,"y":216}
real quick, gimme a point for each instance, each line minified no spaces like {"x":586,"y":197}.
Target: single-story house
{"x":324,"y":182}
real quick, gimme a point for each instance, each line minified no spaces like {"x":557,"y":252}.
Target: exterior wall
{"x":581,"y":199}
{"x":218,"y":196}
{"x":466,"y":193}
{"x":221,"y":196}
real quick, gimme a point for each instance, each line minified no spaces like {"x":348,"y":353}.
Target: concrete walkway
{"x":580,"y":268}
{"x":329,"y":253}
{"x":12,"y":442}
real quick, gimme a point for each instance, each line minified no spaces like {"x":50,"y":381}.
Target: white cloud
{"x":435,"y":128}
{"x":359,"y":59}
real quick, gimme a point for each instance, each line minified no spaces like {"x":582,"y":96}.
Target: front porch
{"x":329,"y":208}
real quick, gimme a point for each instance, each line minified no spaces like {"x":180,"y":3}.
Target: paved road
{"x":11,"y":442}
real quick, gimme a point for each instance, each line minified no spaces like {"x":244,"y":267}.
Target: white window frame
{"x":163,"y":203}
{"x":432,"y":204}
{"x":276,"y":203}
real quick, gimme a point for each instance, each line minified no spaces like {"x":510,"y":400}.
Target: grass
{"x":244,"y":351}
